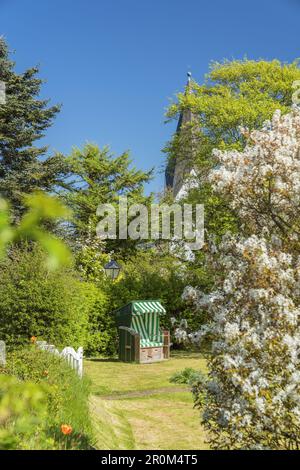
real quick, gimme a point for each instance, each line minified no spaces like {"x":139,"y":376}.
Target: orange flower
{"x":33,"y":339}
{"x":66,"y":429}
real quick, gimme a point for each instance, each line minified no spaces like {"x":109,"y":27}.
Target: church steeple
{"x":186,"y":115}
{"x":176,"y":170}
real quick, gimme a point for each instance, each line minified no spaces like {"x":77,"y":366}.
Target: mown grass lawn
{"x":135,"y":406}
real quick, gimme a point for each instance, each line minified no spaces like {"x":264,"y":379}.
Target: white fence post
{"x":73,"y":358}
{"x":80,"y":361}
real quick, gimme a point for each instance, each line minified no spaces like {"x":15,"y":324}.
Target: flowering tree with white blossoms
{"x":254,"y":382}
{"x":262,"y":183}
{"x":252,"y":395}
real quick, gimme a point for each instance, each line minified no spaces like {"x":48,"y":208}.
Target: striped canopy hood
{"x":139,"y":307}
{"x":147,"y":306}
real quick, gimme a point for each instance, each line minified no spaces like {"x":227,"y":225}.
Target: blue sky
{"x":115,"y":64}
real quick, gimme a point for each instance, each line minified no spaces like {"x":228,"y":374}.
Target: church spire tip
{"x":188,"y":88}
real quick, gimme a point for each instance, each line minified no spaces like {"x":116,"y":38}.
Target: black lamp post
{"x":112,"y":269}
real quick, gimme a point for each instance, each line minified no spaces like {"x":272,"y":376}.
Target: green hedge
{"x":39,"y":302}
{"x":101,"y":333}
{"x":55,"y":306}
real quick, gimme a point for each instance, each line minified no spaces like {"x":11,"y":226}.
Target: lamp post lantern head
{"x":112,"y":269}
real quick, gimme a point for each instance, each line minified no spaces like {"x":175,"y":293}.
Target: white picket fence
{"x":73,"y":358}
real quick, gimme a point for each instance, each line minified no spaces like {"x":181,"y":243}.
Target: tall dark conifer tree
{"x":24,"y":118}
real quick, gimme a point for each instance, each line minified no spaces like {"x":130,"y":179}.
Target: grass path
{"x":134,"y":406}
{"x":143,"y":393}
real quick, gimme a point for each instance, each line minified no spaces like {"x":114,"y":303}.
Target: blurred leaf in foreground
{"x":41,"y":208}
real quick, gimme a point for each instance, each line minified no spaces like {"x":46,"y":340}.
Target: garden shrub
{"x":101,"y":329}
{"x":188,"y":376}
{"x":66,"y":397}
{"x":35,"y":301}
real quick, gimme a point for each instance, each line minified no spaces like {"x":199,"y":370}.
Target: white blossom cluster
{"x":180,"y":333}
{"x":262,"y":182}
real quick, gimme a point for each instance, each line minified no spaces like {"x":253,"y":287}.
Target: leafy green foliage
{"x":235,"y":93}
{"x":238,"y":93}
{"x":185,"y":376}
{"x":37,"y":301}
{"x":90,"y":260}
{"x":22,"y":410}
{"x":41,"y":208}
{"x":100,"y":334}
{"x":53,"y":395}
{"x":23,"y":120}
{"x":56,"y":306}
{"x":99,"y":178}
